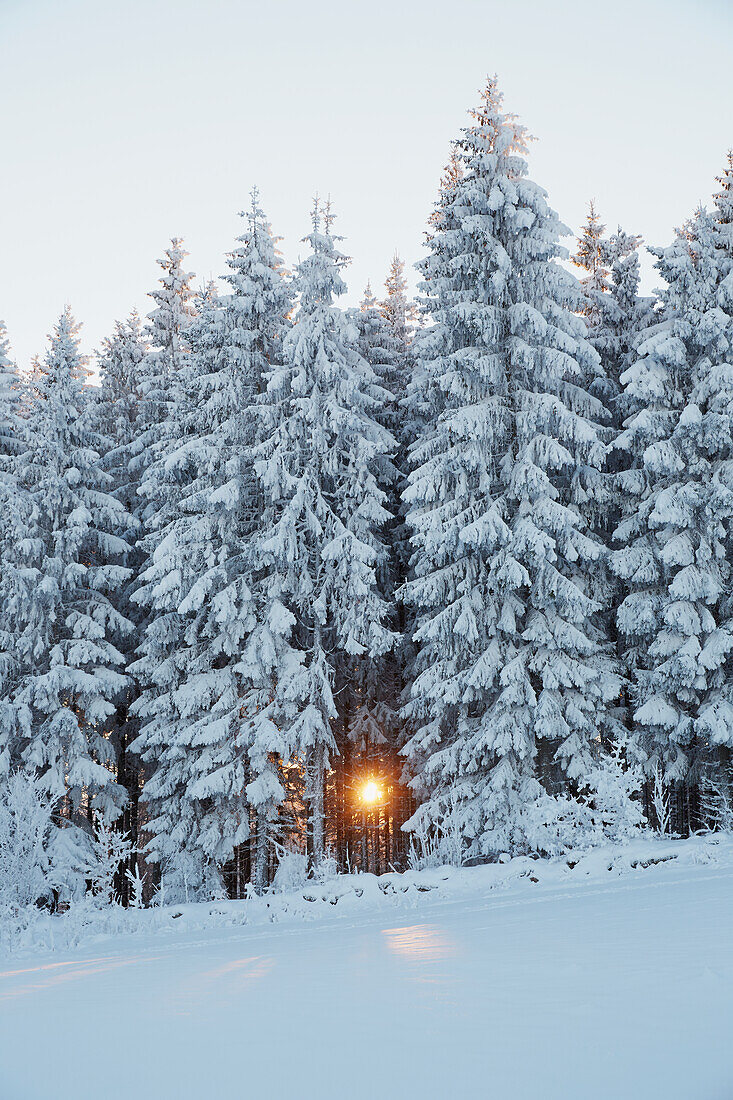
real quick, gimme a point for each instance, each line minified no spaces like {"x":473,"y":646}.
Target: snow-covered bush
{"x":327,"y":869}
{"x":41,"y":862}
{"x":438,"y":843}
{"x":556,"y":824}
{"x":292,"y":870}
{"x":547,"y":825}
{"x":190,"y":878}
{"x":612,"y":789}
{"x":26,"y":828}
{"x":109,"y":850}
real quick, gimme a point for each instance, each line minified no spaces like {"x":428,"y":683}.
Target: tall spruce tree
{"x":158,"y":421}
{"x":511,"y":677}
{"x":674,"y":536}
{"x":65,"y":623}
{"x":323,"y":506}
{"x":14,"y":514}
{"x":215,"y":721}
{"x":120,"y":410}
{"x":368,"y":688}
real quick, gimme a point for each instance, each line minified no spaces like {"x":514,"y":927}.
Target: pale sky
{"x":125,"y":124}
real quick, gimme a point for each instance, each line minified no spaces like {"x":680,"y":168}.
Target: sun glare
{"x":370,"y":792}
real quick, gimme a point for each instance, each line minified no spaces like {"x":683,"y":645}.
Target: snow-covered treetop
{"x":723,"y":214}
{"x":63,"y":363}
{"x":448,"y":181}
{"x":319,"y":278}
{"x":9,"y":397}
{"x":121,"y":375}
{"x":494,"y":241}
{"x":591,"y":257}
{"x":396,"y":309}
{"x":174,"y":301}
{"x":260,"y":299}
{"x":724,"y":197}
{"x":5,"y":360}
{"x":495,"y":133}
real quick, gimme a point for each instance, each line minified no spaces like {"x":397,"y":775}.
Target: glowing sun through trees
{"x":370,"y":793}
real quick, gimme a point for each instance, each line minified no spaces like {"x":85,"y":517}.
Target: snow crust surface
{"x":606,"y":979}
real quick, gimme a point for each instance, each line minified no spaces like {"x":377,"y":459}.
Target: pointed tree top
{"x":67,"y":325}
{"x":724,"y":197}
{"x":328,"y":217}
{"x":63,"y":353}
{"x":592,"y":250}
{"x":316,"y":214}
{"x":255,"y":215}
{"x":175,"y":254}
{"x":5,"y":360}
{"x":368,"y":301}
{"x":396,"y":283}
{"x":594,"y":218}
{"x":498,"y":131}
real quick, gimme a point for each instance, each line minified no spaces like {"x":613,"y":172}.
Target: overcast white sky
{"x":126,"y":123}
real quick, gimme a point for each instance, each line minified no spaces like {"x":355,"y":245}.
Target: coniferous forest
{"x":448,"y":579}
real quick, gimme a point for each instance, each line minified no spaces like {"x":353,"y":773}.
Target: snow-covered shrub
{"x":437,"y":843}
{"x":189,"y":878}
{"x":26,"y":829}
{"x":611,"y":789}
{"x":556,"y":824}
{"x":109,"y":850}
{"x":327,"y":869}
{"x":71,"y":855}
{"x":546,"y":825}
{"x":292,"y":870}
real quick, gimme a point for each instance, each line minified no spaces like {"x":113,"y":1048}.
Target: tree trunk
{"x":316,"y":780}
{"x":261,"y":852}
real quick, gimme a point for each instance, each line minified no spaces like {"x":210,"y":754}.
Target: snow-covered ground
{"x":605,"y":980}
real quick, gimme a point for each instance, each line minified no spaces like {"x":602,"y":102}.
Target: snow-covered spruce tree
{"x":10,"y":394}
{"x":14,"y":509}
{"x":628,"y":314}
{"x":216,"y":712}
{"x":368,"y":689}
{"x":591,"y":258}
{"x":512,"y":676}
{"x":322,"y":504}
{"x":395,"y":370}
{"x":614,"y":316}
{"x":720,"y":733}
{"x":66,"y":627}
{"x":163,"y":365}
{"x":399,"y":313}
{"x":119,"y":409}
{"x":152,"y":405}
{"x":613,"y":310}
{"x":374,"y":341}
{"x":675,"y":533}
